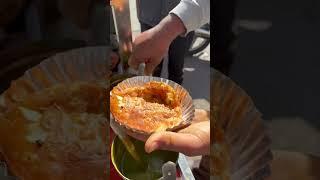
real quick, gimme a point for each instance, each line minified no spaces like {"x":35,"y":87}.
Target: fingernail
{"x":152,"y":147}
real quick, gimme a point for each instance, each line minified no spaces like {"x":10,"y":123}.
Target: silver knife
{"x":122,"y":22}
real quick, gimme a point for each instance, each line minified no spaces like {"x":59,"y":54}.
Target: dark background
{"x":32,"y":30}
{"x":278,"y":65}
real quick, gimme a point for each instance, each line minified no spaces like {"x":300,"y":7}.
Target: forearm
{"x":170,"y":27}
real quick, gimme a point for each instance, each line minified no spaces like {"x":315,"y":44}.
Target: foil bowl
{"x":187,"y":106}
{"x":89,"y":64}
{"x":245,"y":132}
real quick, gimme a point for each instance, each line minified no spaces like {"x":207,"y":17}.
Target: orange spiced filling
{"x":151,"y":107}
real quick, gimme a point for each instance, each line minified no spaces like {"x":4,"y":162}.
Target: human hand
{"x":192,"y":141}
{"x":151,"y":46}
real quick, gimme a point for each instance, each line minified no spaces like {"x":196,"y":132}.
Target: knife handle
{"x":139,"y":72}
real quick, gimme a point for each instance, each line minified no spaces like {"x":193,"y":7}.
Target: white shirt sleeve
{"x":193,"y":13}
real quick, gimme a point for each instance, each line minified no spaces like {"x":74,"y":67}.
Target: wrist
{"x":171,"y":27}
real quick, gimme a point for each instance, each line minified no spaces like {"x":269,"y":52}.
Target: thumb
{"x":134,"y":62}
{"x":151,"y":64}
{"x":187,"y":144}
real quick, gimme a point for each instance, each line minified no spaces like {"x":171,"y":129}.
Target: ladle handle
{"x":169,"y":171}
{"x":125,"y":139}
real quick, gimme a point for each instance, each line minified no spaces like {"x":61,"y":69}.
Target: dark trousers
{"x":176,"y":55}
{"x":223,"y":13}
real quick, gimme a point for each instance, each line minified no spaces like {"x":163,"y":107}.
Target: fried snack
{"x":56,"y":134}
{"x":148,"y":108}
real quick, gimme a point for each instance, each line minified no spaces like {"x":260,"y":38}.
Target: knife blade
{"x":122,"y":22}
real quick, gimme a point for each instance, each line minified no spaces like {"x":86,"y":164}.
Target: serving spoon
{"x":125,"y":139}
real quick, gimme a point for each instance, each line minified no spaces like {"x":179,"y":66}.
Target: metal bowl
{"x":128,"y":168}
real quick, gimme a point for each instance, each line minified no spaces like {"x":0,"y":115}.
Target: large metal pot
{"x":128,"y":168}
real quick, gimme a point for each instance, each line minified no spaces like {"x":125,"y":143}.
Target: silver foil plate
{"x":187,"y":106}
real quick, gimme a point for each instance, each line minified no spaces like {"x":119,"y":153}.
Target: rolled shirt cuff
{"x":192,"y":13}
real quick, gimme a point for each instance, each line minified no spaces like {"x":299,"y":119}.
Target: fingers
{"x":137,"y":55}
{"x":134,"y":62}
{"x":150,"y":66}
{"x":179,"y":142}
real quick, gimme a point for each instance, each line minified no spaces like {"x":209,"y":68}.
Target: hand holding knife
{"x":122,"y":22}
